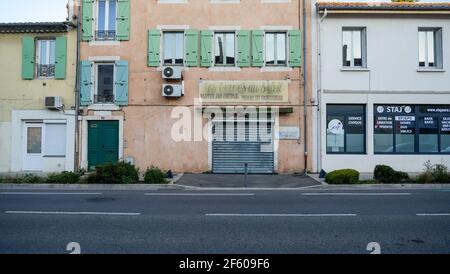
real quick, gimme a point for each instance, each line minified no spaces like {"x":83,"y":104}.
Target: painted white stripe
{"x":356,"y":194}
{"x":433,"y":214}
{"x":199,"y":194}
{"x":73,"y":213}
{"x":278,"y":215}
{"x":51,"y":193}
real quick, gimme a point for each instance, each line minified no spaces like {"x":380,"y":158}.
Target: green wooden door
{"x":103,"y":142}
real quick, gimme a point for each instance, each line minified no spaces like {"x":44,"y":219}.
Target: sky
{"x":55,"y":10}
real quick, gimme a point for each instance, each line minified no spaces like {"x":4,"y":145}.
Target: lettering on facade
{"x":244,"y":91}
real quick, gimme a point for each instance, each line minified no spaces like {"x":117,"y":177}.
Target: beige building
{"x":151,"y":70}
{"x":37,"y":84}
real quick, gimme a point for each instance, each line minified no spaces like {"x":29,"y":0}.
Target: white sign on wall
{"x":289,"y":133}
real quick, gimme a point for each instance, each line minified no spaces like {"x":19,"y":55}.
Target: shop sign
{"x":275,"y":91}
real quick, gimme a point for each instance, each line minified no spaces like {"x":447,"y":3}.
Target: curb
{"x":93,"y":186}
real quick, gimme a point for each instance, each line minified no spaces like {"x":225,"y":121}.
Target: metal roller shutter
{"x":230,"y":154}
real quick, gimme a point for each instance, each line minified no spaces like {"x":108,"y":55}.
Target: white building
{"x":381,"y":84}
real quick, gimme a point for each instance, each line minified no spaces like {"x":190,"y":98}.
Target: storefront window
{"x":411,"y":129}
{"x":345,"y":129}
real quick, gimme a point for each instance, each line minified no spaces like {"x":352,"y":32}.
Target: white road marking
{"x":433,"y":214}
{"x":277,"y":215}
{"x":73,"y":213}
{"x":356,"y":194}
{"x":51,"y":193}
{"x":199,"y":194}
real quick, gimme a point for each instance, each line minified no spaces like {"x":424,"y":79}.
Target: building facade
{"x":382,"y":82}
{"x":184,"y":85}
{"x":37,"y":85}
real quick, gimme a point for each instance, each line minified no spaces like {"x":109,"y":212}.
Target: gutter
{"x":320,"y":90}
{"x":305,"y":93}
{"x":77,"y":93}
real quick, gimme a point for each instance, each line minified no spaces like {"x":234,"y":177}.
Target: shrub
{"x":386,"y":174}
{"x":29,"y":179}
{"x":437,"y":173}
{"x":343,"y":176}
{"x":64,"y":177}
{"x":114,"y":173}
{"x":155,"y":175}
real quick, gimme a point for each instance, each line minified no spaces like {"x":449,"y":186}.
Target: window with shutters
{"x":104,"y":83}
{"x":173,"y":45}
{"x":45,"y":58}
{"x":106,"y":20}
{"x":224,"y":49}
{"x":276,"y":49}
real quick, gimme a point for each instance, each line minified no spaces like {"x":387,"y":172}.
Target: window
{"x":55,"y":140}
{"x":430,"y":48}
{"x":173,"y":43}
{"x":106,"y":20}
{"x":411,"y":129}
{"x":276,"y":48}
{"x":346,"y":129}
{"x":224,"y":49}
{"x":45,"y":58}
{"x":354,"y":47}
{"x":34,"y":140}
{"x":105,"y":84}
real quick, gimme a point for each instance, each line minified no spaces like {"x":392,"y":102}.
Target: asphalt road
{"x":200,"y":221}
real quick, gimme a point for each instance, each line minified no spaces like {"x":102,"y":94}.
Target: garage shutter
{"x":242,"y":146}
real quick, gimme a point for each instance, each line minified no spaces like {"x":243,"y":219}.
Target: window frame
{"x":418,"y":115}
{"x":363,"y":32}
{"x":95,"y":75}
{"x":37,"y":59}
{"x":106,"y":21}
{"x":225,"y":49}
{"x":437,"y":45}
{"x":174,"y":50}
{"x":364,"y":114}
{"x":275,"y":47}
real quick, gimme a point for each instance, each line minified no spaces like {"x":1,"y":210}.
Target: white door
{"x":33,"y":145}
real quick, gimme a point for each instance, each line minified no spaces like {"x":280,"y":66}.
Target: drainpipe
{"x":320,"y":90}
{"x":305,"y":111}
{"x":77,"y":91}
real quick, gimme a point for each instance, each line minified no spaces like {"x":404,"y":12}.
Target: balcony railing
{"x":105,"y":35}
{"x":103,"y":98}
{"x":46,"y":71}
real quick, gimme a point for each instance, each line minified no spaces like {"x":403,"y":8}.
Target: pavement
{"x":305,"y":220}
{"x":249,"y":181}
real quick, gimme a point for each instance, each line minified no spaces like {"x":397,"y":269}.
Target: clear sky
{"x":55,"y":10}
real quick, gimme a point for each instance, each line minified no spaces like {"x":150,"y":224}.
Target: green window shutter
{"x":87,"y":20}
{"x":121,"y":83}
{"x":243,"y":48}
{"x":123,"y":20}
{"x":295,"y":48}
{"x":191,"y":49}
{"x":60,"y":57}
{"x":206,"y":42}
{"x":28,"y":58}
{"x":153,"y":54}
{"x":86,"y":83}
{"x":257,"y":48}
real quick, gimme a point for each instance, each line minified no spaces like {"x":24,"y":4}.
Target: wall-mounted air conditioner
{"x":53,"y":102}
{"x":172,"y":73}
{"x":173,"y":90}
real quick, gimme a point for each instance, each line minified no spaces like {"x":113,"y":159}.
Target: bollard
{"x":245,"y":174}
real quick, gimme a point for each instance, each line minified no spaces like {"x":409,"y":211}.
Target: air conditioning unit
{"x":172,"y":90}
{"x":173,"y":73}
{"x":53,"y":102}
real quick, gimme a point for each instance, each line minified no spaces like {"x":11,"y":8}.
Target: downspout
{"x":77,"y":92}
{"x":305,"y":111}
{"x":320,"y":90}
